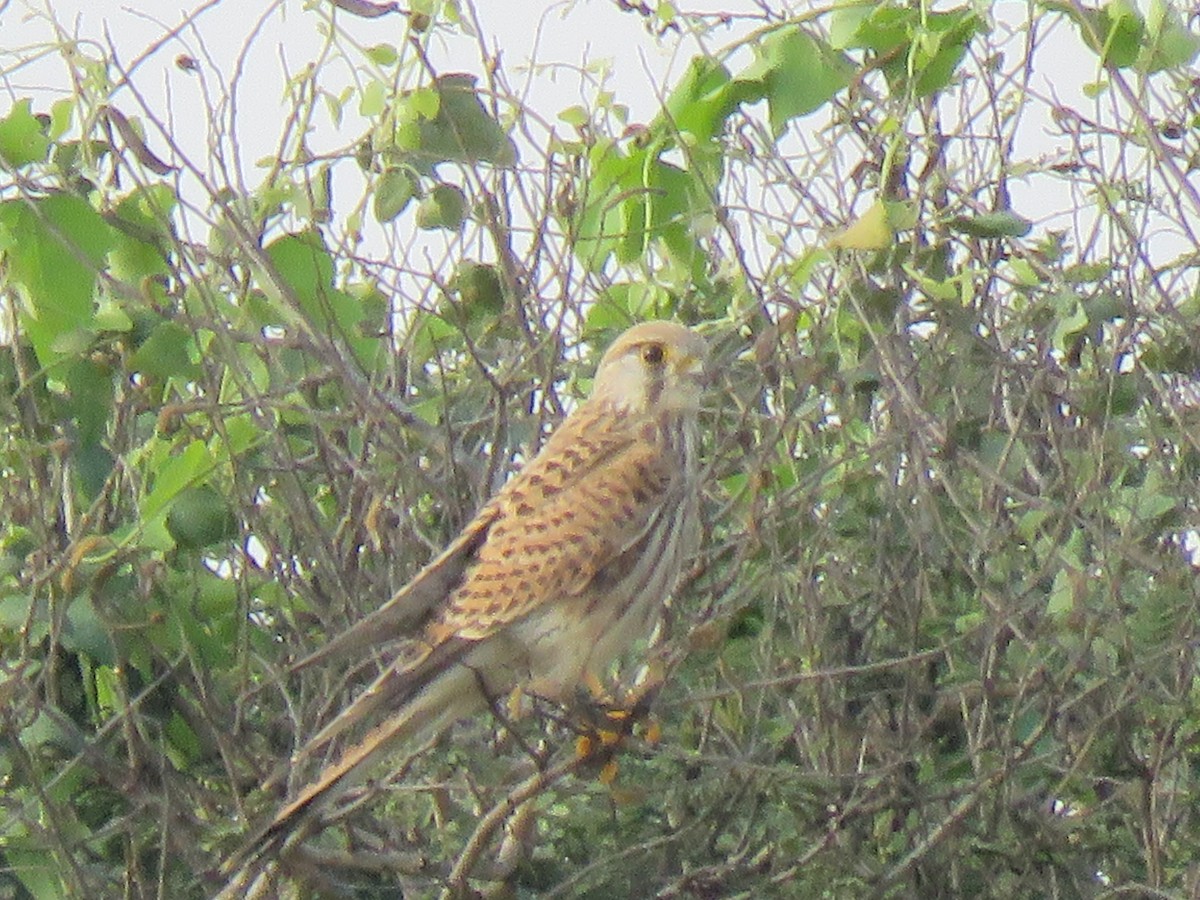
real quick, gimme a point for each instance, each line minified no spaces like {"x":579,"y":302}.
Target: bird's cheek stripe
{"x":654,"y":390}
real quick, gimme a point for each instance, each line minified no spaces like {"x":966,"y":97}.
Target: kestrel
{"x":557,"y":575}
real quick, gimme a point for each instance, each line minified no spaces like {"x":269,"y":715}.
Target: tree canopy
{"x":941,"y":636}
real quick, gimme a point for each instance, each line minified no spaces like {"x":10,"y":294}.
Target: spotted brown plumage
{"x":558,"y":574}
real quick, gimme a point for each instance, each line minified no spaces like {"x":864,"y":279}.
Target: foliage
{"x":941,"y":640}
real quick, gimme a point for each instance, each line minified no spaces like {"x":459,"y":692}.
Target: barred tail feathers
{"x":441,"y":689}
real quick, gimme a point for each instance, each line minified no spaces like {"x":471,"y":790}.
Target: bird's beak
{"x":693,"y":368}
{"x":691,"y":379}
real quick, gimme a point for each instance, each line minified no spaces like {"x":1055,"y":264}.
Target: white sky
{"x":560,"y":37}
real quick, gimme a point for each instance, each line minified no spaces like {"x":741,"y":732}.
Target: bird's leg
{"x":600,"y":694}
{"x":507,"y":709}
{"x":606,"y":723}
{"x":633,"y":702}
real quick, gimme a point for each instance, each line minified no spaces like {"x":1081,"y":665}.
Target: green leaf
{"x":677,"y":203}
{"x":184,"y":746}
{"x":992,"y":225}
{"x":15,"y":616}
{"x":1070,"y":319}
{"x":424,"y":102}
{"x":443,"y":207}
{"x":927,"y":47}
{"x":93,"y":463}
{"x":373,"y":100}
{"x":1156,"y":617}
{"x":89,"y":389}
{"x":240,"y":433}
{"x":61,"y":112}
{"x":612,"y":198}
{"x":176,"y":474}
{"x":432,"y":335}
{"x":480,"y":293}
{"x":1169,"y":44}
{"x":799,"y":74}
{"x":54,"y":246}
{"x":383,"y":54}
{"x":1094,"y":271}
{"x":940,"y":47}
{"x":145,"y":214}
{"x":132,"y":260}
{"x":111,"y":317}
{"x":1173,"y":354}
{"x":166,"y":353}
{"x":201,"y":517}
{"x":701,"y":103}
{"x":22,"y":139}
{"x":1121,"y":397}
{"x":462,"y":129}
{"x":871,"y":231}
{"x":635,"y":199}
{"x":576,"y":116}
{"x":393,"y":192}
{"x":1062,"y":595}
{"x":1122,"y":30}
{"x":37,"y":869}
{"x":87,"y":633}
{"x":622,"y":304}
{"x":881,"y":27}
{"x":306,"y":269}
{"x":1114,"y":32}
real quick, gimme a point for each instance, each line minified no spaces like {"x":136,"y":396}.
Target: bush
{"x":941,"y":637}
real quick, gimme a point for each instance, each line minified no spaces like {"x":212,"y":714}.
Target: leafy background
{"x":941,"y":639}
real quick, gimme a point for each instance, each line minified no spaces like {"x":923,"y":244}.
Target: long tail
{"x":425,"y":696}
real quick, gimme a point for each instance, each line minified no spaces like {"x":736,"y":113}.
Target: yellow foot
{"x":600,"y":747}
{"x":517,"y":704}
{"x":605,"y":724}
{"x":596,"y":689}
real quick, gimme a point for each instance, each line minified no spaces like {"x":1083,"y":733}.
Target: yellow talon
{"x":595,"y":687}
{"x":515,"y":705}
{"x":583,"y":746}
{"x":617,"y":714}
{"x":653,"y":732}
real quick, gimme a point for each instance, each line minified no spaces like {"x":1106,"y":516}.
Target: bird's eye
{"x":652,"y":354}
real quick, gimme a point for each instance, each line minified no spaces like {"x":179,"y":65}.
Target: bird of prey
{"x":566,"y":567}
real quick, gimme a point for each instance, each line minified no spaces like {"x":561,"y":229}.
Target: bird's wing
{"x":410,"y":605}
{"x":590,"y":495}
{"x":542,"y":494}
{"x":582,"y":501}
{"x":417,"y":665}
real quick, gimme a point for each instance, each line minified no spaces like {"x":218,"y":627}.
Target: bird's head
{"x":653,"y":367}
